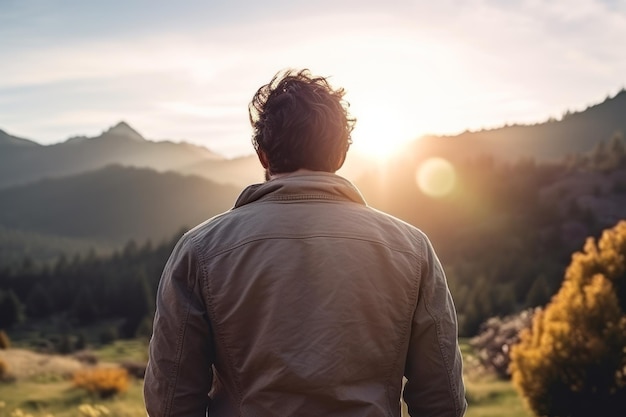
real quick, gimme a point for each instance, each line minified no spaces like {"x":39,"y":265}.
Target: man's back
{"x":303,"y":301}
{"x":311,"y":298}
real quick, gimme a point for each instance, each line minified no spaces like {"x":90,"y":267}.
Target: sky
{"x":186,"y":71}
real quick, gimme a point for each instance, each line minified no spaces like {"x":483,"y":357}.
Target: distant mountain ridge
{"x":23,"y":161}
{"x":9,"y":140}
{"x":119,"y":185}
{"x":553,"y":140}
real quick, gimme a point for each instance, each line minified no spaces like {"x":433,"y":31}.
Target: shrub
{"x":5,"y":342}
{"x":572,"y":361}
{"x":86,"y":356}
{"x":65,"y":344}
{"x":497,"y":335}
{"x":136,"y":369}
{"x":81,"y":342}
{"x":104,"y":382}
{"x":4,"y":370}
{"x":109,"y":335}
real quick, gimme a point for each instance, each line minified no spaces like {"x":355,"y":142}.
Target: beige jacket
{"x":304,"y":301}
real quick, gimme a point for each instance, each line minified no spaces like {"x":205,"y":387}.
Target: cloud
{"x":189,"y":71}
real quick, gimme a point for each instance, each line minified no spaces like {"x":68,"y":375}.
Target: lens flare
{"x":436,"y":177}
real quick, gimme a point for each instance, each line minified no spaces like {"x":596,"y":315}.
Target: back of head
{"x":300,"y":122}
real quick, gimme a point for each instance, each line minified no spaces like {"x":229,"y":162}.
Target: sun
{"x":382,"y":131}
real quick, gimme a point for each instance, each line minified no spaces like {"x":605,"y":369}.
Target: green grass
{"x":57,"y":397}
{"x":123,"y":350}
{"x":487,"y":398}
{"x":61,"y":399}
{"x":490,"y":397}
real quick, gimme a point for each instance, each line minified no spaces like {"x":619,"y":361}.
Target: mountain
{"x":7,"y":140}
{"x":71,"y":190}
{"x":553,"y":140}
{"x":113,"y":205}
{"x":23,"y":161}
{"x":121,"y":144}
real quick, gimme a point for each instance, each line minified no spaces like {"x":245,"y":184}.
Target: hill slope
{"x":549,"y":141}
{"x":113,"y":204}
{"x":23,"y":161}
{"x":120,"y":144}
{"x":7,"y":141}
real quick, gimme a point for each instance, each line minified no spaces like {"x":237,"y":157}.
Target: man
{"x":302,"y":300}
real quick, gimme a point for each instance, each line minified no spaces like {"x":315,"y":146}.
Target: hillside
{"x":7,"y":141}
{"x":23,"y":161}
{"x":552,"y":140}
{"x":113,"y":205}
{"x":121,"y":144}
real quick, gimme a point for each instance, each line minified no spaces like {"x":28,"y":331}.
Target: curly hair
{"x":300,"y":122}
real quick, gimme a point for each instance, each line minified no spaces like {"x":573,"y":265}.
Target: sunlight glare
{"x":382,"y":130}
{"x":436,"y":177}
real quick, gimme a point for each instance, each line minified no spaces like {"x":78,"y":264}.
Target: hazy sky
{"x":187,"y":70}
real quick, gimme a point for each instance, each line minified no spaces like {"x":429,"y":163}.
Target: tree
{"x":617,"y":150}
{"x":572,"y":361}
{"x":38,"y":303}
{"x":139,"y":304}
{"x":11,"y":309}
{"x":84,"y":307}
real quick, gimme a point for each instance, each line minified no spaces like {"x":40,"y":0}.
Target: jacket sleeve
{"x":433,"y":369}
{"x":178,"y":377}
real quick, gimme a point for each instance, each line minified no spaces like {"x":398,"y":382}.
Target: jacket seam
{"x":404,"y":331}
{"x":446,"y":361}
{"x":217,"y":329}
{"x":179,"y":344}
{"x":307,"y":197}
{"x":268,"y":236}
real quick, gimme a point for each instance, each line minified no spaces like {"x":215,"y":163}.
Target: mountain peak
{"x":6,"y":139}
{"x":123,"y":129}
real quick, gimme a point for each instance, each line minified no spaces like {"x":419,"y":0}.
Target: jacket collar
{"x":302,"y":185}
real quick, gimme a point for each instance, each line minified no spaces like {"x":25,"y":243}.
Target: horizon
{"x":358,"y":149}
{"x":187,"y":73}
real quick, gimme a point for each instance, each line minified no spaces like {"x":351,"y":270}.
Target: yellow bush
{"x":572,"y":361}
{"x":104,"y":382}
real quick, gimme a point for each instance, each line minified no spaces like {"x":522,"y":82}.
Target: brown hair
{"x":300,"y":121}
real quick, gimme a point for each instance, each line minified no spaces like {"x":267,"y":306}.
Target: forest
{"x":505,"y":235}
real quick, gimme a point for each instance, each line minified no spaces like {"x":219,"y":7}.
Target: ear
{"x":263,"y":159}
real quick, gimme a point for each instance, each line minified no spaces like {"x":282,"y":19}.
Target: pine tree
{"x":572,"y":361}
{"x":38,"y":302}
{"x":11,"y":309}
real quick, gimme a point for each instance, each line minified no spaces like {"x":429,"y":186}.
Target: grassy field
{"x":486,"y":395}
{"x":61,"y":399}
{"x":489,"y":397}
{"x":43,"y":388}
